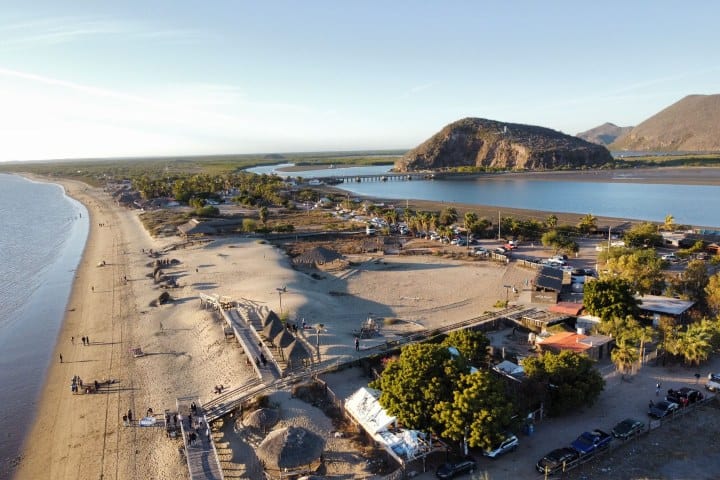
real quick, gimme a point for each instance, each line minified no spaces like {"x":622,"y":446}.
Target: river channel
{"x":628,"y":196}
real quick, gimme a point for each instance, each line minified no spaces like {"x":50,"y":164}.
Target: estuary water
{"x":621,"y":197}
{"x":42,"y":236}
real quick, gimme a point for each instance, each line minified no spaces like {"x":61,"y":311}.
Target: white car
{"x":510,"y":444}
{"x":670,"y":257}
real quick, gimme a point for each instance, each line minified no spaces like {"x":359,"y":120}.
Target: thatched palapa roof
{"x":295,"y":353}
{"x":283,"y":339}
{"x":262,"y":418}
{"x":270,"y":317}
{"x":290,"y":447}
{"x":272,"y":329}
{"x":317,"y":256}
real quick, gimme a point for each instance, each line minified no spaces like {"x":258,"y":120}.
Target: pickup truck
{"x":590,"y":442}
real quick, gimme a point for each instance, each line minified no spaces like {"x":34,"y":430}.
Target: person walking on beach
{"x":129,"y":415}
{"x":92,"y":288}
{"x":61,"y":358}
{"x":72,"y":340}
{"x":87,"y":340}
{"x":657,"y":389}
{"x":357,"y":344}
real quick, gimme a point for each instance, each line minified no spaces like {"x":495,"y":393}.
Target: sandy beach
{"x":82,"y":436}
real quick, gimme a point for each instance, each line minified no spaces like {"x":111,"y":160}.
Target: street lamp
{"x":318,"y":328}
{"x":280,"y":292}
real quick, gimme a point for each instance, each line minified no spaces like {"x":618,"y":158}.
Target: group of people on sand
{"x":219,"y":388}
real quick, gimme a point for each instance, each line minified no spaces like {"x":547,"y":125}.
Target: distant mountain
{"x":605,"y":134}
{"x":480,"y":142}
{"x":690,"y":125}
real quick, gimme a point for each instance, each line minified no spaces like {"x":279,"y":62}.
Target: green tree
{"x":642,"y":268}
{"x":712,"y":292}
{"x":478,"y":409}
{"x":624,"y":355}
{"x":608,"y":298}
{"x":471,"y":344}
{"x":551,"y":221}
{"x":249,"y":225}
{"x":643,"y":234}
{"x":263,"y":213}
{"x":423,"y":376}
{"x":694,"y":344}
{"x":448,"y":216}
{"x":694,"y":280}
{"x":669,"y":224}
{"x":559,"y":242}
{"x":588,"y":224}
{"x":571,"y":379}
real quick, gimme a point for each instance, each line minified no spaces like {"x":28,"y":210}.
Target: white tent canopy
{"x":364,"y":407}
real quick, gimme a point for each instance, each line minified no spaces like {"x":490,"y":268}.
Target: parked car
{"x":713,"y":383}
{"x":590,"y":442}
{"x":662,"y":409}
{"x":556,"y":460}
{"x":510,"y":444}
{"x":669,"y":257}
{"x":627,"y":428}
{"x":453,"y":469}
{"x":684,"y":396}
{"x":480,"y":251}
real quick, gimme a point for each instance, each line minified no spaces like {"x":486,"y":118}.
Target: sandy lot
{"x":83,"y":436}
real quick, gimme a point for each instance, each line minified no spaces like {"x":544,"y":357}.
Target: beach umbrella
{"x":262,"y":418}
{"x":290,"y":447}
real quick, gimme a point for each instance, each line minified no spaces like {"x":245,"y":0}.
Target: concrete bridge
{"x":385,"y":177}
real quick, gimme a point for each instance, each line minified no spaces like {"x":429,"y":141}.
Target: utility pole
{"x":499,"y":236}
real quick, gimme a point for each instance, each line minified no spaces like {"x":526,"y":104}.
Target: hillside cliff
{"x":690,"y":125}
{"x":605,"y":134}
{"x":479,"y":142}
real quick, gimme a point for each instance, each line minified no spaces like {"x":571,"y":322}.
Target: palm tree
{"x":694,"y":344}
{"x":669,"y":223}
{"x":624,"y":355}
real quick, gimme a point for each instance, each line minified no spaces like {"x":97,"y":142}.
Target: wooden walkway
{"x":200,"y":454}
{"x":202,"y":459}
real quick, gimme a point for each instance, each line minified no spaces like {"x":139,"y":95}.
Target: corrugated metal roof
{"x":550,"y":278}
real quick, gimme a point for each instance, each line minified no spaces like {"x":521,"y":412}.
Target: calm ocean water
{"x":42,"y":237}
{"x":688,"y":204}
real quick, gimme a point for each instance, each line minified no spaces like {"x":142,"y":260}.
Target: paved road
{"x":621,"y":399}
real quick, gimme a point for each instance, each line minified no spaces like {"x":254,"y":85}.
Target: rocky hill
{"x":690,"y":125}
{"x":605,"y":134}
{"x":479,"y":142}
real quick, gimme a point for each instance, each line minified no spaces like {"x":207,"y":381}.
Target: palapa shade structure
{"x":290,"y":447}
{"x":269,"y":318}
{"x":262,"y":418}
{"x":317,"y":256}
{"x":283,"y":339}
{"x":295,"y":354}
{"x":272,"y":329}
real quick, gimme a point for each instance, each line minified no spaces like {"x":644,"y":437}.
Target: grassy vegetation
{"x":94,"y":171}
{"x":686,"y":160}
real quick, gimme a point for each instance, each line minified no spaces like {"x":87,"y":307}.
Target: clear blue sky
{"x":94,"y":78}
